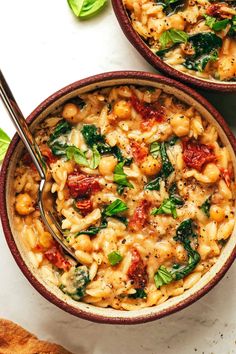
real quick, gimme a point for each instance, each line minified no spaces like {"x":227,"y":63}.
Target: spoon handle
{"x":21,"y":126}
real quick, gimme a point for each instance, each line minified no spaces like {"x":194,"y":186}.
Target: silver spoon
{"x":47,"y":210}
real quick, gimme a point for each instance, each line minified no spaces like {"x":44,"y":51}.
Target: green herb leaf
{"x":167,"y":167}
{"x":95,"y":158}
{"x":184,"y":233}
{"x":205,"y":45}
{"x":58,"y":139}
{"x":62,"y":128}
{"x":91,"y":135}
{"x":168,"y":206}
{"x":76,"y":282}
{"x":4,"y":142}
{"x":84,"y":9}
{"x":116,"y":207}
{"x":153,"y":185}
{"x":155,"y":149}
{"x":205,"y":207}
{"x":93,"y":230}
{"x":162,"y":277}
{"x":114,"y":258}
{"x":173,"y":36}
{"x":140,"y":294}
{"x":216,"y":25}
{"x":120,"y":177}
{"x":74,"y":153}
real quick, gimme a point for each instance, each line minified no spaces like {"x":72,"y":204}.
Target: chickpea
{"x":217,"y":213}
{"x":70,"y":112}
{"x":212,"y":172}
{"x":24,"y":204}
{"x":107,"y":165}
{"x":227,"y":67}
{"x":151,"y":166}
{"x":45,"y":239}
{"x":180,"y":124}
{"x":84,"y":243}
{"x":122,"y":109}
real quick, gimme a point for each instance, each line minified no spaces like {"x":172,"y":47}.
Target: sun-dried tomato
{"x":140,"y":216}
{"x":85,"y":206}
{"x":226,"y":175}
{"x":216,"y":10}
{"x":140,"y":151}
{"x":137,"y":271}
{"x":148,"y":110}
{"x":47,"y":153}
{"x":55,"y":256}
{"x":196,"y":155}
{"x":27,"y":160}
{"x":81,"y":185}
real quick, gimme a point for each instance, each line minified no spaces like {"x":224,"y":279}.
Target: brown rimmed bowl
{"x":42,"y":285}
{"x":138,"y":43}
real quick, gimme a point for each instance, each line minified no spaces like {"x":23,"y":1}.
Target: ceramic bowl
{"x":53,"y":294}
{"x":137,"y":41}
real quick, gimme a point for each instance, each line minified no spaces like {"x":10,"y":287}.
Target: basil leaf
{"x":4,"y":143}
{"x":114,"y":258}
{"x":155,"y":149}
{"x":95,"y":159}
{"x":205,"y":207}
{"x":173,"y":36}
{"x":74,"y":153}
{"x":168,"y":206}
{"x":120,"y":178}
{"x":140,"y":294}
{"x":162,"y":277}
{"x":84,"y":9}
{"x":216,"y":25}
{"x":115,"y":207}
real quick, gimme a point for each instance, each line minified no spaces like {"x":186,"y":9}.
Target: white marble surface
{"x":43,"y":48}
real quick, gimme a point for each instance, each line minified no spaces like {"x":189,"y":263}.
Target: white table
{"x":43,"y":48}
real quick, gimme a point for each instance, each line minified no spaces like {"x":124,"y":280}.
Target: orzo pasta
{"x":197,"y":37}
{"x":144,"y":189}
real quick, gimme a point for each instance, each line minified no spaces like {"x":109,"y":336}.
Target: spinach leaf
{"x":93,"y":138}
{"x":153,"y":185}
{"x":205,"y":207}
{"x":120,"y":178}
{"x":4,"y":142}
{"x":171,"y":6}
{"x":62,"y":128}
{"x":77,"y":101}
{"x":140,"y":294}
{"x":58,"y":139}
{"x":167,"y":167}
{"x":162,"y":52}
{"x":115,"y":207}
{"x":205,"y":47}
{"x":76,"y":282}
{"x":162,"y":277}
{"x":114,"y":258}
{"x":172,"y":36}
{"x":91,"y":135}
{"x":84,"y":9}
{"x":172,"y":141}
{"x":93,"y":230}
{"x":184,"y":233}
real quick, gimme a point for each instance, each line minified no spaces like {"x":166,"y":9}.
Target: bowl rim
{"x":96,"y":79}
{"x":157,"y":63}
